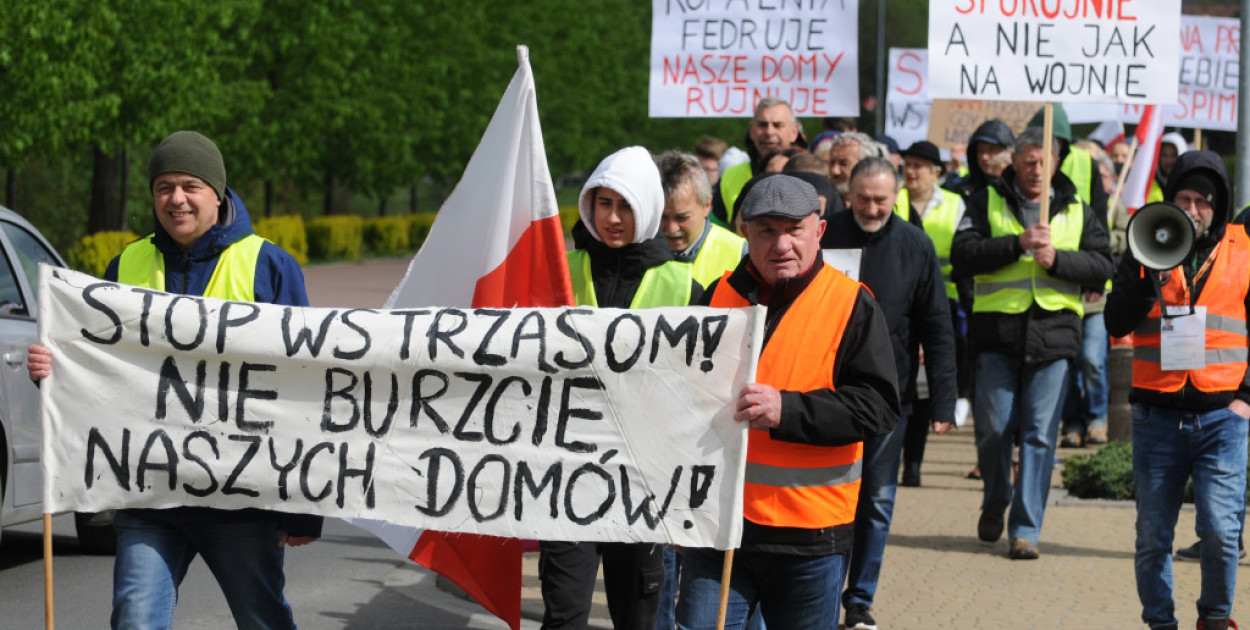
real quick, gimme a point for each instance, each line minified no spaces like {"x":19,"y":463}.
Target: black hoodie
{"x":1132,"y":295}
{"x":977,"y":179}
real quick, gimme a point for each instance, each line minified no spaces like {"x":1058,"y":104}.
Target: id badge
{"x":1183,"y":338}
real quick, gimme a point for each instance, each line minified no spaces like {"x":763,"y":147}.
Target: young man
{"x":619,"y":262}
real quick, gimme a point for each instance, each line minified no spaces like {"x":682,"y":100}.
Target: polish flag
{"x":496,"y":242}
{"x":1145,"y":161}
{"x":1108,"y":133}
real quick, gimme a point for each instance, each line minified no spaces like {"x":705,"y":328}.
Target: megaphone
{"x":1161,"y":236}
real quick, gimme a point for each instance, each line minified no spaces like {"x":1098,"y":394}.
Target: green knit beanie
{"x":192,"y":153}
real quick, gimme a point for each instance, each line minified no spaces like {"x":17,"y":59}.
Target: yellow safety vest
{"x":1078,"y":166}
{"x":940,"y":224}
{"x":731,"y":183}
{"x":234,"y":277}
{"x":663,"y":285}
{"x":1154,"y":193}
{"x":721,"y":252}
{"x":1015,"y":287}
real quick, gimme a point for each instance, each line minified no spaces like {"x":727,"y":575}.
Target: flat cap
{"x":780,"y":196}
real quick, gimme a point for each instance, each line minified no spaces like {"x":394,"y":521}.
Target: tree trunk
{"x":327,"y":207}
{"x":123,"y":199}
{"x":269,"y":197}
{"x":104,"y":213}
{"x":10,"y":189}
{"x":412,"y":199}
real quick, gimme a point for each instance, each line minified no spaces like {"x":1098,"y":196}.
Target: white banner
{"x":907,"y":96}
{"x":1055,"y":50}
{"x":718,"y":58}
{"x":556,"y":424}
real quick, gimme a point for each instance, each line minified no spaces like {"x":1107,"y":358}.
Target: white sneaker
{"x":963,"y":407}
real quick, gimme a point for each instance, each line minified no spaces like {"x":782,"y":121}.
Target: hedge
{"x":287,"y":232}
{"x":93,"y":252}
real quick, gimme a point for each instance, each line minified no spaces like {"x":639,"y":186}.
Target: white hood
{"x":1177,"y":140}
{"x":631,"y":173}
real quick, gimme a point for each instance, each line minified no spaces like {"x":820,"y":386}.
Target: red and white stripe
{"x":1145,"y":162}
{"x":496,"y":242}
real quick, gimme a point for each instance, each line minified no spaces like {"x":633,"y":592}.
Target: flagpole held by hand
{"x":48,"y":608}
{"x":725,"y":573}
{"x":1048,"y":165}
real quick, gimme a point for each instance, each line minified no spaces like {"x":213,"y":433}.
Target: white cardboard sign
{"x":1055,"y":50}
{"x":718,"y":58}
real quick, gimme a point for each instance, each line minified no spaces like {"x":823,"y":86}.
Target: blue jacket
{"x":279,"y":280}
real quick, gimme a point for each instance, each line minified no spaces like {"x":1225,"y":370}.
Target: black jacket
{"x":900,"y":267}
{"x":864,"y":402}
{"x":977,"y":179}
{"x":617,"y":272}
{"x":1132,"y":295}
{"x":1036,"y":335}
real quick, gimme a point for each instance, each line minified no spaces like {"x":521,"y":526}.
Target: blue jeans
{"x":153,"y":555}
{"x":666,"y":619}
{"x":1169,"y":446}
{"x":877,"y":489}
{"x":798,"y":592}
{"x":1015,"y":399}
{"x":1089,"y":387}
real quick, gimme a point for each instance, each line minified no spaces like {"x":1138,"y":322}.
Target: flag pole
{"x":725,"y":573}
{"x":48,"y":609}
{"x":1119,"y":185}
{"x":1047,"y":167}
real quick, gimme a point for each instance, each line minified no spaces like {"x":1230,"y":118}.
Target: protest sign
{"x":951,"y":122}
{"x":544,"y":423}
{"x":1210,"y":71}
{"x":1054,"y":50}
{"x":907,"y":96}
{"x":718,"y":58}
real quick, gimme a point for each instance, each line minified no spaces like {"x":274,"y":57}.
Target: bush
{"x":387,"y":235}
{"x":93,"y":252}
{"x":286,"y":232}
{"x":335,"y":237}
{"x":419,"y":228}
{"x":1107,"y":474}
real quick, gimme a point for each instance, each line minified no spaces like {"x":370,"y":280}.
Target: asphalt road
{"x":348,"y":579}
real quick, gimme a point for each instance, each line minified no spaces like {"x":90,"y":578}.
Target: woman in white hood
{"x":620,"y":261}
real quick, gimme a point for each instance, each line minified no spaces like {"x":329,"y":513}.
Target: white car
{"x":22,"y":248}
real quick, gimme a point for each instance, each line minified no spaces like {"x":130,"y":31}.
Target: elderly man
{"x":691,"y":235}
{"x":1026,"y":326}
{"x":1189,"y":416}
{"x":202,"y":231}
{"x":826,"y":382}
{"x":774,"y":129}
{"x":900,"y":267}
{"x":847,"y":150}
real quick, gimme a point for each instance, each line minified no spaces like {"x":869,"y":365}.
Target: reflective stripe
{"x":1150,"y":326}
{"x":781,"y":477}
{"x":1212,"y":356}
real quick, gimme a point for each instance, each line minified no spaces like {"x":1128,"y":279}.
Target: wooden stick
{"x":725,"y":573}
{"x":48,"y":609}
{"x":1048,"y":127}
{"x":1197,"y":139}
{"x":1119,"y":186}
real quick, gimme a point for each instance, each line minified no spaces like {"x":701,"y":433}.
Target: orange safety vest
{"x":1224,"y":295}
{"x":790,"y":484}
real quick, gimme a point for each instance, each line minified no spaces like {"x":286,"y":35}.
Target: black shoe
{"x":990,"y":526}
{"x":1193,"y":553}
{"x":857,"y":618}
{"x":911,"y":475}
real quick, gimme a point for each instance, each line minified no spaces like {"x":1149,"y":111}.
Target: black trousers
{"x":633,"y":574}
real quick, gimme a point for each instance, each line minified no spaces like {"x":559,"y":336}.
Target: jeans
{"x":153,"y":554}
{"x":1169,"y":446}
{"x":877,"y":489}
{"x":1015,"y":399}
{"x":1089,"y":388}
{"x":666,"y":619}
{"x":793,"y":592}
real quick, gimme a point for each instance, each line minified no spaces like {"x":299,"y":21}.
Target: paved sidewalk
{"x":937,"y":575}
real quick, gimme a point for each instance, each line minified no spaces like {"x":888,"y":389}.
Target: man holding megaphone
{"x":1185,"y":296}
